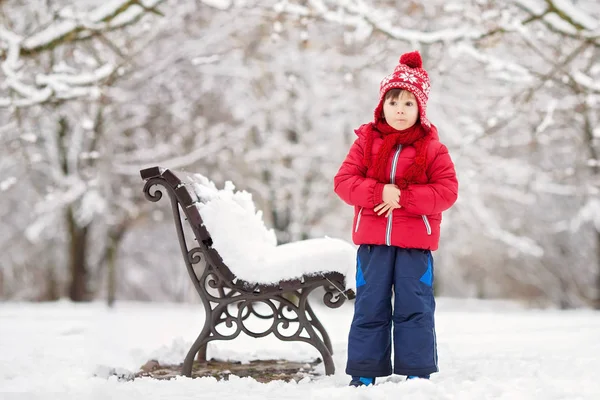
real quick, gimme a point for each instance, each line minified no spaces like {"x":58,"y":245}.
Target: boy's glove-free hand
{"x":391,"y":200}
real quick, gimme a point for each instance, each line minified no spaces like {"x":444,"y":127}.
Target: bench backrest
{"x":186,"y":199}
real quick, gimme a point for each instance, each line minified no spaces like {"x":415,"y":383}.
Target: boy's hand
{"x":383,"y":207}
{"x":391,"y":200}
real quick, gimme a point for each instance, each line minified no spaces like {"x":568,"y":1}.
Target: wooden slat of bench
{"x":197,"y":224}
{"x":153,"y":172}
{"x":186,"y":197}
{"x":290,"y":284}
{"x":171,"y":178}
{"x":218,"y":262}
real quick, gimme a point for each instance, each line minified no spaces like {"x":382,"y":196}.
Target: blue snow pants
{"x":408,"y":274}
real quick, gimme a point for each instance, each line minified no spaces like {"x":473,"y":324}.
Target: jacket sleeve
{"x":439,"y":194}
{"x":351,"y":183}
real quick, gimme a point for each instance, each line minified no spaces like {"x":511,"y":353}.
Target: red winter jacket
{"x":417,"y":223}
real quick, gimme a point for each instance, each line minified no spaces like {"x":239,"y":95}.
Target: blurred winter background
{"x":266,"y":94}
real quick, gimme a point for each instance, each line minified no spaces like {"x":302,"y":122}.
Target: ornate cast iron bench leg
{"x":315,"y":340}
{"x":317,"y":324}
{"x":246,"y":305}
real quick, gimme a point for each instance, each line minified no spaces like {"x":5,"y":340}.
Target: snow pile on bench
{"x":250,"y":250}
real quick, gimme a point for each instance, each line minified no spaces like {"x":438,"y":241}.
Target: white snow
{"x":13,"y":42}
{"x":107,"y":9}
{"x":586,"y":81}
{"x":560,"y":24}
{"x":532,"y":6}
{"x":515,"y":71}
{"x":111,"y":7}
{"x":487,"y":350}
{"x":49,"y":34}
{"x":218,"y":4}
{"x":364,"y":18}
{"x":589,"y":213}
{"x":573,"y":13}
{"x":576,"y":15}
{"x":61,"y":84}
{"x":60,"y":79}
{"x":250,"y":250}
{"x":206,"y":59}
{"x":32,"y":95}
{"x":7,"y":183}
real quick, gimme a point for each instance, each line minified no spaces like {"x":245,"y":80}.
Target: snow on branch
{"x":218,"y":4}
{"x":586,"y":81}
{"x":365,"y":18}
{"x":493,"y":229}
{"x":51,"y":34}
{"x":13,"y":42}
{"x":173,"y":163}
{"x":102,"y":18}
{"x":113,"y":8}
{"x":590,"y":212}
{"x":129,"y":164}
{"x":57,"y":86}
{"x":562,"y":16}
{"x":534,"y":7}
{"x":112,"y":15}
{"x":30,"y":94}
{"x":60,"y":81}
{"x":444,"y":35}
{"x":573,"y":15}
{"x":518,"y":72}
{"x":70,"y":26}
{"x":7,"y":183}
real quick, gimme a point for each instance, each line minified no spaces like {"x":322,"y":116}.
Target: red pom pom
{"x":412,"y":59}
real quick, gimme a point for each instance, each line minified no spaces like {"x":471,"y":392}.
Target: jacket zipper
{"x":358,"y":219}
{"x":388,"y":230}
{"x":427,"y":226}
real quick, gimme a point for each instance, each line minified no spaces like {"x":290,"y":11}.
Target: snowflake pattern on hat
{"x":408,"y":77}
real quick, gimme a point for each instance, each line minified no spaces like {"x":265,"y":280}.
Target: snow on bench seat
{"x":250,"y":250}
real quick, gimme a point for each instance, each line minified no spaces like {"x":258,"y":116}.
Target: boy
{"x":399,"y":178}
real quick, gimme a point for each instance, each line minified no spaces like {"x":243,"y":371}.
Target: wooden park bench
{"x":231,"y":301}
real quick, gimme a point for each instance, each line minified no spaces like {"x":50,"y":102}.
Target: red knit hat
{"x":411,"y":76}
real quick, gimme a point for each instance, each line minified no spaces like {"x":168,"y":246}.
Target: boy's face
{"x":401,"y":112}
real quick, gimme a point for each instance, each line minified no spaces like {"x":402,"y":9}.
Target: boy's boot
{"x":417,"y":377}
{"x":361,"y":381}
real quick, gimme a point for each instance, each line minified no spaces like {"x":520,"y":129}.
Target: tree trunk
{"x":77,"y":258}
{"x":52,"y":285}
{"x":115,"y":235}
{"x":77,"y":238}
{"x":111,"y":261}
{"x":595,"y":169}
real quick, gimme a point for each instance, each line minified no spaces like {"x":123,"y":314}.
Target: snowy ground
{"x":487,"y":350}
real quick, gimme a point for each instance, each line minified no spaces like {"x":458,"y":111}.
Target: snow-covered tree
{"x":59,"y":61}
{"x":267,"y":94}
